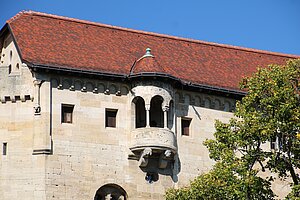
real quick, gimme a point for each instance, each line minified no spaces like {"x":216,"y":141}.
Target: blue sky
{"x":272,"y":25}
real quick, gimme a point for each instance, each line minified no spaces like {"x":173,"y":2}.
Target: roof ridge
{"x":153,"y":34}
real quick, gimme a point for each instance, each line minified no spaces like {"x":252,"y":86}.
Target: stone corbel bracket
{"x":143,"y":161}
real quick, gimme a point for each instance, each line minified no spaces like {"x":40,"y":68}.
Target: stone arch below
{"x":110,"y":192}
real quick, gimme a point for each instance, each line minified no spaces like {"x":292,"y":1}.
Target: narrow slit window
{"x":185,"y":126}
{"x":9,"y":69}
{"x":110,"y":118}
{"x":67,"y":113}
{"x":4,"y":151}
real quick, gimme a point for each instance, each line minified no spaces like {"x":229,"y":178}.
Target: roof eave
{"x":72,"y":70}
{"x":218,"y":89}
{"x":193,"y":86}
{"x":3,"y":29}
{"x":196,"y":86}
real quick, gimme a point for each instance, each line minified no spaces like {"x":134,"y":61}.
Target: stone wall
{"x":49,"y":159}
{"x":88,"y":155}
{"x":22,"y":175}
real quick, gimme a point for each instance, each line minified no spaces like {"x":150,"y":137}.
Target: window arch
{"x":156,"y":112}
{"x":111,"y":192}
{"x":140,"y":112}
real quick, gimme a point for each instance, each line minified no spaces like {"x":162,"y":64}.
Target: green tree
{"x":269,"y":112}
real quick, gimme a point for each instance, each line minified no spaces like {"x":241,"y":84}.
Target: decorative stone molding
{"x":143,"y":161}
{"x":90,"y":85}
{"x":118,"y":93}
{"x":164,"y":159}
{"x":107,"y":92}
{"x":15,"y":98}
{"x":158,"y":139}
{"x":72,"y":88}
{"x":83,"y":89}
{"x":165,"y":108}
{"x":204,"y":100}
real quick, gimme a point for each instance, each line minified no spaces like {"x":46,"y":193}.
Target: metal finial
{"x":148,"y":52}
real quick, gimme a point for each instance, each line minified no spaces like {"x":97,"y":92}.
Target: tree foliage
{"x":269,"y":112}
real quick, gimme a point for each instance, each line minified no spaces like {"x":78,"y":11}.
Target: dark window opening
{"x":110,"y":117}
{"x":273,"y":143}
{"x":185,"y":126}
{"x":156,"y":113}
{"x":140,"y":113}
{"x":4,"y":150}
{"x":9,"y":69}
{"x":278,"y":143}
{"x":27,"y":97}
{"x":17,"y":98}
{"x":67,"y":113}
{"x":7,"y":98}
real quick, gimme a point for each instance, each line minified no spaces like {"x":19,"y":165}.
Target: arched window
{"x":140,"y":112}
{"x":110,"y":192}
{"x":156,"y":113}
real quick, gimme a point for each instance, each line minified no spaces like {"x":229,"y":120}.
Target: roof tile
{"x":76,"y":44}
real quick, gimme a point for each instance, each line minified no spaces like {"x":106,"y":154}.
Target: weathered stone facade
{"x":47,"y":159}
{"x":71,"y":135}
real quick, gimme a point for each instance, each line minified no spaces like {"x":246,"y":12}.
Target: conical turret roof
{"x":147,"y":64}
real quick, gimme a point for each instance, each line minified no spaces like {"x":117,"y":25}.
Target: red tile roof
{"x":56,"y":41}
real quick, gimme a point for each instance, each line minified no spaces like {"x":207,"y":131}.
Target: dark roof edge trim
{"x":64,"y":69}
{"x":2,"y":32}
{"x":217,"y":89}
{"x":3,"y":29}
{"x":145,"y":74}
{"x":154,"y":74}
{"x":189,"y":84}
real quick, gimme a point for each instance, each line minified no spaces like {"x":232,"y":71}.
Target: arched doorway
{"x":110,"y":192}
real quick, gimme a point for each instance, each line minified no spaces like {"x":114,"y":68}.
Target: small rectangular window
{"x":4,"y":150}
{"x":110,"y":117}
{"x":185,"y":126}
{"x":67,"y":113}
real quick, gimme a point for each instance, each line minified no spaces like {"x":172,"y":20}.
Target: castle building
{"x":92,"y":111}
